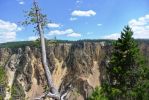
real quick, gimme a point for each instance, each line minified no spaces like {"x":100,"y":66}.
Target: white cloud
{"x":83,"y":13}
{"x":58,"y":32}
{"x":8,"y":31}
{"x":74,"y":35}
{"x":112,"y":36}
{"x":21,"y":2}
{"x":99,"y":24}
{"x":89,"y":33}
{"x":32,"y":37}
{"x":53,"y":25}
{"x":73,"y":18}
{"x":67,"y":32}
{"x":140,"y":27}
{"x":78,"y":1}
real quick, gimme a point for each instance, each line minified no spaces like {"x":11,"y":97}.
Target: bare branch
{"x":69,"y":87}
{"x":56,"y":96}
{"x":64,"y":95}
{"x":50,"y":95}
{"x":41,"y":97}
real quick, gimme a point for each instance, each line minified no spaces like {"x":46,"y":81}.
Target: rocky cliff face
{"x":72,"y":64}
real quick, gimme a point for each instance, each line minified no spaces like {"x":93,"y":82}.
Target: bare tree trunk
{"x":54,"y":91}
{"x":45,"y":64}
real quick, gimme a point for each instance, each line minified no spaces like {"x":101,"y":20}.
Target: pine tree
{"x":124,"y":66}
{"x":39,"y":21}
{"x":142,"y":87}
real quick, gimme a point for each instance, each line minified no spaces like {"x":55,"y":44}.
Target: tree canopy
{"x":123,"y":71}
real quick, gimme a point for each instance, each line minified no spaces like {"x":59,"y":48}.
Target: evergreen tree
{"x":97,"y":94}
{"x":142,"y":88}
{"x":39,"y":20}
{"x":123,"y":68}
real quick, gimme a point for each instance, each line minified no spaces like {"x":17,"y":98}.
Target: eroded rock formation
{"x":73,"y":65}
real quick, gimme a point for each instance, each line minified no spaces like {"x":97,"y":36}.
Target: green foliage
{"x":33,"y":18}
{"x":3,"y":82}
{"x":14,"y":45}
{"x":97,"y":94}
{"x":17,"y":90}
{"x":123,"y":72}
{"x":3,"y":77}
{"x":36,"y":43}
{"x":1,"y":97}
{"x":142,"y":88}
{"x":10,"y":98}
{"x":46,"y":88}
{"x":22,"y":44}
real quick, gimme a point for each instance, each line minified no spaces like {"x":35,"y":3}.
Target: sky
{"x":76,"y":19}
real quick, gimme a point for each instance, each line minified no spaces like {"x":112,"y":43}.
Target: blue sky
{"x":76,"y":19}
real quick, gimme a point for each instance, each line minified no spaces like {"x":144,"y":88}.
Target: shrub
{"x":97,"y":94}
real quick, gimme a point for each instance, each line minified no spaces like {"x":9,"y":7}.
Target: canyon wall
{"x":74,"y":66}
